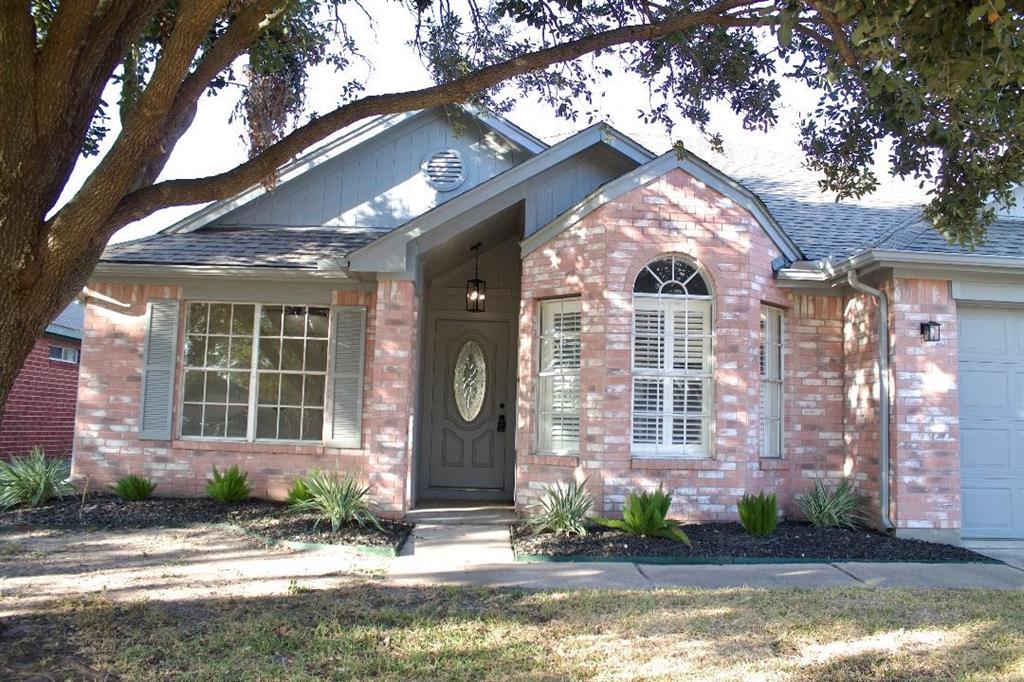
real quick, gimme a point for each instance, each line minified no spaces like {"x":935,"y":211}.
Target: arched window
{"x":671,"y":360}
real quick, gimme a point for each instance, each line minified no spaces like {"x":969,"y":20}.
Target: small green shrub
{"x":298,"y":493}
{"x":132,"y":487}
{"x":563,"y":510}
{"x":231,"y":486}
{"x":340,"y":500}
{"x":839,"y":508}
{"x":645,"y":514}
{"x":759,"y":515}
{"x":33,"y":480}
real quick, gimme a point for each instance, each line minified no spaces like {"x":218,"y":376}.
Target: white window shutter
{"x":159,"y":357}
{"x":345,"y":411}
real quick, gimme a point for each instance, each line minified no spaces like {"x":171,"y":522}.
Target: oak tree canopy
{"x":936,"y":82}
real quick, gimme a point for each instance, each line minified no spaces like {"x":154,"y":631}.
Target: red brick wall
{"x":813,"y":444}
{"x":41,"y":406}
{"x":831,"y":427}
{"x":860,"y":368}
{"x":598,"y":259}
{"x":925,"y":413}
{"x":107,"y":444}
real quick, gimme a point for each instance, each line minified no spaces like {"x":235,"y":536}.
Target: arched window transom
{"x":670,"y":276}
{"x":671,"y":360}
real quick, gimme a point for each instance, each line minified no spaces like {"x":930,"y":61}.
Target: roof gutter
{"x":828,"y":271}
{"x":883,"y":390}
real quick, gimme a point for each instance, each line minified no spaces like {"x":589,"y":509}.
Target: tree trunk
{"x":33,"y":288}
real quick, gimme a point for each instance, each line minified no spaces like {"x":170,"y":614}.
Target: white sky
{"x":213,"y":144}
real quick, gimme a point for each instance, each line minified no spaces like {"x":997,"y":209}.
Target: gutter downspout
{"x":883,"y":389}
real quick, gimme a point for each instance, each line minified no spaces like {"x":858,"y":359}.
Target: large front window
{"x":254,"y":372}
{"x":671,"y":360}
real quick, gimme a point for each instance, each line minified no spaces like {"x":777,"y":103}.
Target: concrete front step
{"x":462,"y":515}
{"x":454,"y":538}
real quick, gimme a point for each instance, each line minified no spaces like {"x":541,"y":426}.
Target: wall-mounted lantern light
{"x":930,"y":331}
{"x":476,"y":288}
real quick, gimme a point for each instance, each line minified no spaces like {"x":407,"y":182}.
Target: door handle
{"x":501,"y":423}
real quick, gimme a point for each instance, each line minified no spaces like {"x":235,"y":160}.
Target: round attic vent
{"x":444,"y":169}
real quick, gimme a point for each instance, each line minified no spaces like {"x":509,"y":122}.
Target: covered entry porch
{"x":465,"y":443}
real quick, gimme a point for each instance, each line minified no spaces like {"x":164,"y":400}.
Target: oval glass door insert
{"x":470,"y":380}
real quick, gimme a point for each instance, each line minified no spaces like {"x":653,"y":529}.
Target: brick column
{"x":925,"y":415}
{"x":392,"y":407}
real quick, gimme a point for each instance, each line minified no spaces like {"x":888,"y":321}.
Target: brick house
{"x":41,"y":406}
{"x":457,"y":310}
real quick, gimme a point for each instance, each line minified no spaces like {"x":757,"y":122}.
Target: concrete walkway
{"x":470,"y":546}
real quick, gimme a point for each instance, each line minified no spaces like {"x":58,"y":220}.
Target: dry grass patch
{"x":370,"y":631}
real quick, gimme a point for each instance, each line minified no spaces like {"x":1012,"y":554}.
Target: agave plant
{"x":839,"y":508}
{"x":563,"y":510}
{"x":133,"y":487}
{"x":33,"y":480}
{"x":758,"y":515}
{"x":645,"y":514}
{"x":340,"y":500}
{"x":231,"y":486}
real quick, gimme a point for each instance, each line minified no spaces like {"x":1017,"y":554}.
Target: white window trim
{"x":65,"y":351}
{"x":250,"y":436}
{"x":642,"y":301}
{"x":571,"y":302}
{"x":777,"y":383}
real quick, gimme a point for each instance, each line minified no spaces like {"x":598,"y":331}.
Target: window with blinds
{"x":559,"y":376}
{"x":671,"y":360}
{"x":771,"y":382}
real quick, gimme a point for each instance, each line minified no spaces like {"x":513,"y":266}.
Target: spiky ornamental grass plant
{"x":340,"y":500}
{"x":839,"y":508}
{"x":563,"y":510}
{"x":645,"y":514}
{"x":758,"y":514}
{"x":298,"y":492}
{"x":33,"y":480}
{"x":231,"y":486}
{"x":133,"y":488}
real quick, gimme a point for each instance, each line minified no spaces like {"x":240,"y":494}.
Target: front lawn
{"x":378,"y":632}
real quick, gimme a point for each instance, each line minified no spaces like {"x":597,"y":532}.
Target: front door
{"x":469,"y":439}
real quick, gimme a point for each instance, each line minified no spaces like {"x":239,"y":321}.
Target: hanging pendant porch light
{"x":476,"y":288}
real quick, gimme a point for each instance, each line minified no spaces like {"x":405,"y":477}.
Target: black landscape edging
{"x":521,"y":557}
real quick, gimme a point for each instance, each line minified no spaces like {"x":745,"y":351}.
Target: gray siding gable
{"x":379,"y":183}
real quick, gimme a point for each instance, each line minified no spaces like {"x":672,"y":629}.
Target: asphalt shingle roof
{"x":1004,"y":237}
{"x":889,"y":218}
{"x":813,"y":219}
{"x":69,"y":322}
{"x":278,"y":247}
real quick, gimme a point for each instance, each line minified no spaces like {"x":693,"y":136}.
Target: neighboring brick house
{"x":458,"y":311}
{"x":41,"y":406}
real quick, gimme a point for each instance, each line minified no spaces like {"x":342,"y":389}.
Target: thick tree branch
{"x":244,"y":29}
{"x":840,"y":44}
{"x":68,"y":102}
{"x":144,"y":128}
{"x":64,"y":39}
{"x":192,"y":191}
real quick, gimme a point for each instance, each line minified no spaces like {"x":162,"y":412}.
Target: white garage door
{"x":992,"y":421}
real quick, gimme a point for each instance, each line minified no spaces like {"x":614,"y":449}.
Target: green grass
{"x":392,"y":633}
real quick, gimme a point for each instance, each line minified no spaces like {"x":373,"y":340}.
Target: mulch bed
{"x":270,"y":520}
{"x":791,"y":540}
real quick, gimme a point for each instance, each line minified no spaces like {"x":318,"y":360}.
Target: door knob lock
{"x":501,"y":423}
